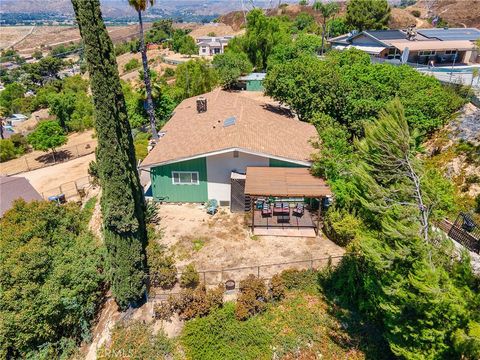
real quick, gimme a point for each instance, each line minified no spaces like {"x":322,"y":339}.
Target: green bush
{"x":161,"y":265}
{"x":294,"y":279}
{"x":477,"y":204}
{"x":51,"y":278}
{"x":20,"y":143}
{"x":219,"y":336}
{"x":190,"y":277}
{"x":93,"y":172}
{"x":136,"y":341}
{"x":131,"y":65}
{"x":252,"y":298}
{"x":341,"y":226}
{"x":163,"y":311}
{"x":7,"y":150}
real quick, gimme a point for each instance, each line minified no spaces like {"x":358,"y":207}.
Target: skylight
{"x":229,"y":121}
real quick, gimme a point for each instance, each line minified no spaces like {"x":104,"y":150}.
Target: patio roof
{"x":284,"y":182}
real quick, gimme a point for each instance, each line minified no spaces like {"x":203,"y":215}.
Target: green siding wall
{"x":163,"y":189}
{"x":281,"y":163}
{"x":255,"y":85}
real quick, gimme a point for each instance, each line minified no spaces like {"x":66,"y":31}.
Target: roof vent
{"x":201,"y":104}
{"x":230,"y":121}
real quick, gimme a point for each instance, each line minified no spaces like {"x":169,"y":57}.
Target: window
{"x":451,"y":52}
{"x":427,"y":53}
{"x":185,"y":178}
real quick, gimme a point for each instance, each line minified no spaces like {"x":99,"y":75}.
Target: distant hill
{"x":457,"y":13}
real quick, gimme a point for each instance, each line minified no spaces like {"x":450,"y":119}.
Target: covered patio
{"x":282,"y":200}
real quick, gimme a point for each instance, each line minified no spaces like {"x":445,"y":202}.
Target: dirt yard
{"x":47,"y":181}
{"x":78,"y":144}
{"x":224,"y":240}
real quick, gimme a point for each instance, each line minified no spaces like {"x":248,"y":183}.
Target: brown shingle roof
{"x":259,"y":128}
{"x":288,"y":182}
{"x":13,"y":188}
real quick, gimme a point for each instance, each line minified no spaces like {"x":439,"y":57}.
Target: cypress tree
{"x":122,"y":200}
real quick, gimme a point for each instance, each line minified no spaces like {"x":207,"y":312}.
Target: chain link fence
{"x":34,"y":162}
{"x":212,"y":278}
{"x":72,"y":189}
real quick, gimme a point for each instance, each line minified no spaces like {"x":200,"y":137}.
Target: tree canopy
{"x":195,"y":77}
{"x":351,"y":90}
{"x":230,"y":66}
{"x":368,"y":14}
{"x":51,"y":280}
{"x":48,"y":135}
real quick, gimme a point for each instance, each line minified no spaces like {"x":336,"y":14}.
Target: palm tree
{"x":139,"y":6}
{"x":327,"y":10}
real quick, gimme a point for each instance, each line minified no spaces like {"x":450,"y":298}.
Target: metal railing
{"x":71,"y":189}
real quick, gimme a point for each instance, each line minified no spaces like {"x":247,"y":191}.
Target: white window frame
{"x":427,"y":53}
{"x":185,"y":172}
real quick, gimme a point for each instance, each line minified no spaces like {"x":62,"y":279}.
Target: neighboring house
{"x":15,"y":119}
{"x":252,"y":82}
{"x":210,"y":141}
{"x":13,"y":188}
{"x":212,"y":45}
{"x":414,"y":46}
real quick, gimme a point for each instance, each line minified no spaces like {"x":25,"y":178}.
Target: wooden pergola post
{"x":319,"y":213}
{"x":253,"y":213}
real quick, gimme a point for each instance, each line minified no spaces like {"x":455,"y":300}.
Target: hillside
{"x":457,"y":13}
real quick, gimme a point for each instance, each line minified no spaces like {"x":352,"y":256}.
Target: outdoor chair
{"x":266,"y":210}
{"x":212,"y":207}
{"x":299,"y":209}
{"x":281,"y":209}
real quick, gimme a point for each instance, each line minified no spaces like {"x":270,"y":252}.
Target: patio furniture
{"x":281,"y":208}
{"x":212,"y":207}
{"x":283,"y":219}
{"x":299,"y":209}
{"x":266,"y":210}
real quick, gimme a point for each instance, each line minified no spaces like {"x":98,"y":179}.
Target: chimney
{"x":201,"y":104}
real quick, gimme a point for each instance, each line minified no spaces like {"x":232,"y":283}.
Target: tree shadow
{"x":280,"y":110}
{"x":58,"y":156}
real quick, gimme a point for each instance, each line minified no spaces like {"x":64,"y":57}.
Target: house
{"x":13,"y":188}
{"x":421,"y":46}
{"x":252,"y":82}
{"x":210,"y":141}
{"x":212,"y":45}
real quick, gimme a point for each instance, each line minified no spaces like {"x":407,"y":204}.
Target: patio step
{"x":248,"y":203}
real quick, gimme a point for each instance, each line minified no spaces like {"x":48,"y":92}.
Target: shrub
{"x":136,"y":341}
{"x":415,"y":13}
{"x":341,"y":226}
{"x":277,"y":287}
{"x":20,"y":143}
{"x":131,"y":65}
{"x":52,"y":267}
{"x":169,"y":72}
{"x":219,"y":336}
{"x":294,"y":279}
{"x":7,"y":150}
{"x":477,"y":204}
{"x":252,"y":297}
{"x":161,"y":265}
{"x":191,"y":303}
{"x":189,"y":277}
{"x":163,"y":311}
{"x":93,"y":172}
{"x":151,"y":213}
